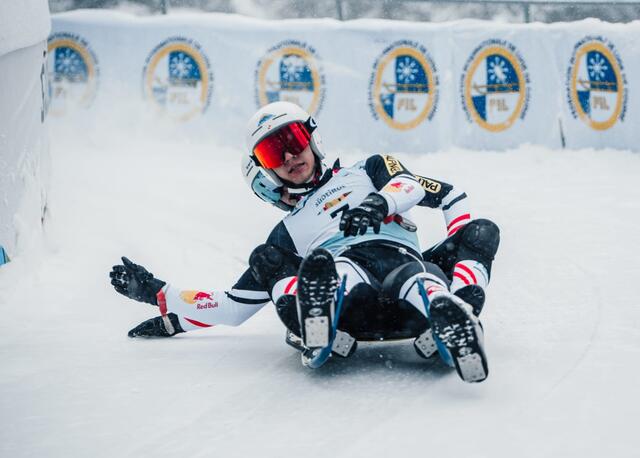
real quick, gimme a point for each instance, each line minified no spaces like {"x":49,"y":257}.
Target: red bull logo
{"x":201,"y":299}
{"x":200,"y":295}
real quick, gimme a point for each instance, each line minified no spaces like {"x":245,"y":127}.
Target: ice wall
{"x":24,"y":154}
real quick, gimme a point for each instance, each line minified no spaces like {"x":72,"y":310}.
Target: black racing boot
{"x":456,"y":326}
{"x":317,"y":285}
{"x":472,"y":295}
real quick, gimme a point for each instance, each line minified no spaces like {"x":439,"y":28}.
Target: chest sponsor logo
{"x":495,"y":86}
{"x":177,"y":79}
{"x":596,"y":84}
{"x":325,"y":195}
{"x":429,"y":185}
{"x":290,"y":71}
{"x":334,"y":202}
{"x":393,"y":165}
{"x":73,"y":74}
{"x":403,"y":88}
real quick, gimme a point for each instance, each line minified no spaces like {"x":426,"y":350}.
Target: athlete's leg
{"x":466,"y":258}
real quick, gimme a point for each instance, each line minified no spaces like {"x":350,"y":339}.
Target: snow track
{"x":562,"y":320}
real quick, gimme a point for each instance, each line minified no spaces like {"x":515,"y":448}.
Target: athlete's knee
{"x":269,"y":263}
{"x":396,"y":281}
{"x":482,"y":236}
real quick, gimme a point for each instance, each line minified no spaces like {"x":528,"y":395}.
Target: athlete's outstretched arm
{"x":185,"y":310}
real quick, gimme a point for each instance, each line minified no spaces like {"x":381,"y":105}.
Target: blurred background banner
{"x":374,"y":85}
{"x":408,"y":10}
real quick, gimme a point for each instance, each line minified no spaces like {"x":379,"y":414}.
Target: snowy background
{"x":562,"y":319}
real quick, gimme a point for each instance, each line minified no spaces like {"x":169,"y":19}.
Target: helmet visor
{"x":292,"y":138}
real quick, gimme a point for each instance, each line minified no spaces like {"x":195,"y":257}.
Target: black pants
{"x":374,"y":311}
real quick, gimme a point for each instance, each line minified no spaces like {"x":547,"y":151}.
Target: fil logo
{"x":73,"y":73}
{"x":403,"y":88}
{"x":495,"y":86}
{"x":596,"y":84}
{"x":177,"y":79}
{"x":290,"y":72}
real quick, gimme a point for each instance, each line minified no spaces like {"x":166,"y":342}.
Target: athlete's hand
{"x":158,"y":327}
{"x":371,"y":212}
{"x":135,"y":282}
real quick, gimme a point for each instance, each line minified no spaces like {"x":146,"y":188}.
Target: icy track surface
{"x":562,"y":320}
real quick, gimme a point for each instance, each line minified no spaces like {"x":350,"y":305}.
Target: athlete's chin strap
{"x":321,"y":176}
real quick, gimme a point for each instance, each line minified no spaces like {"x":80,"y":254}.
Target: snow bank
{"x":562,"y":319}
{"x":23,"y":23}
{"x":24,"y":154}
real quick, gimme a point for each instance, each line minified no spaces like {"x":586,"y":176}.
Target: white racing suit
{"x":314,"y":222}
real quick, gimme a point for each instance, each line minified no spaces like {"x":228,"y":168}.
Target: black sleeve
{"x":435,"y":191}
{"x":280,"y":237}
{"x":381,"y":168}
{"x":245,"y":289}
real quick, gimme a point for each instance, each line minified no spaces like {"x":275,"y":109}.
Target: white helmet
{"x":266,"y":121}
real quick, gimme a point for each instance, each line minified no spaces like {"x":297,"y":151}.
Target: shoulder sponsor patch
{"x":398,"y":186}
{"x":428,"y":185}
{"x":393,"y":165}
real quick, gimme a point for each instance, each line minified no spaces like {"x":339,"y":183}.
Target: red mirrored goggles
{"x":292,"y":138}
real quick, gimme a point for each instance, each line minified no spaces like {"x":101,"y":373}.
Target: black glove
{"x":155,"y":327}
{"x":371,"y":212}
{"x":135,"y":282}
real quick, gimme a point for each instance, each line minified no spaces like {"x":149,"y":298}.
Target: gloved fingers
{"x":128,"y":263}
{"x":121,"y":289}
{"x":376,"y":226}
{"x":345,"y":221}
{"x":348,"y":230}
{"x":118,"y":269}
{"x":345,"y":225}
{"x":358,"y":221}
{"x":364,"y":225}
{"x":144,"y":329}
{"x":118,"y":275}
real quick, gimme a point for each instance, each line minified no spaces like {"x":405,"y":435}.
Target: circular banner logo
{"x":495,"y":86}
{"x":177,"y":78}
{"x":403,"y":89}
{"x":596,"y":84}
{"x":73,"y":73}
{"x":290,"y":72}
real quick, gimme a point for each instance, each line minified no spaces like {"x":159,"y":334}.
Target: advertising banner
{"x":374,"y":85}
